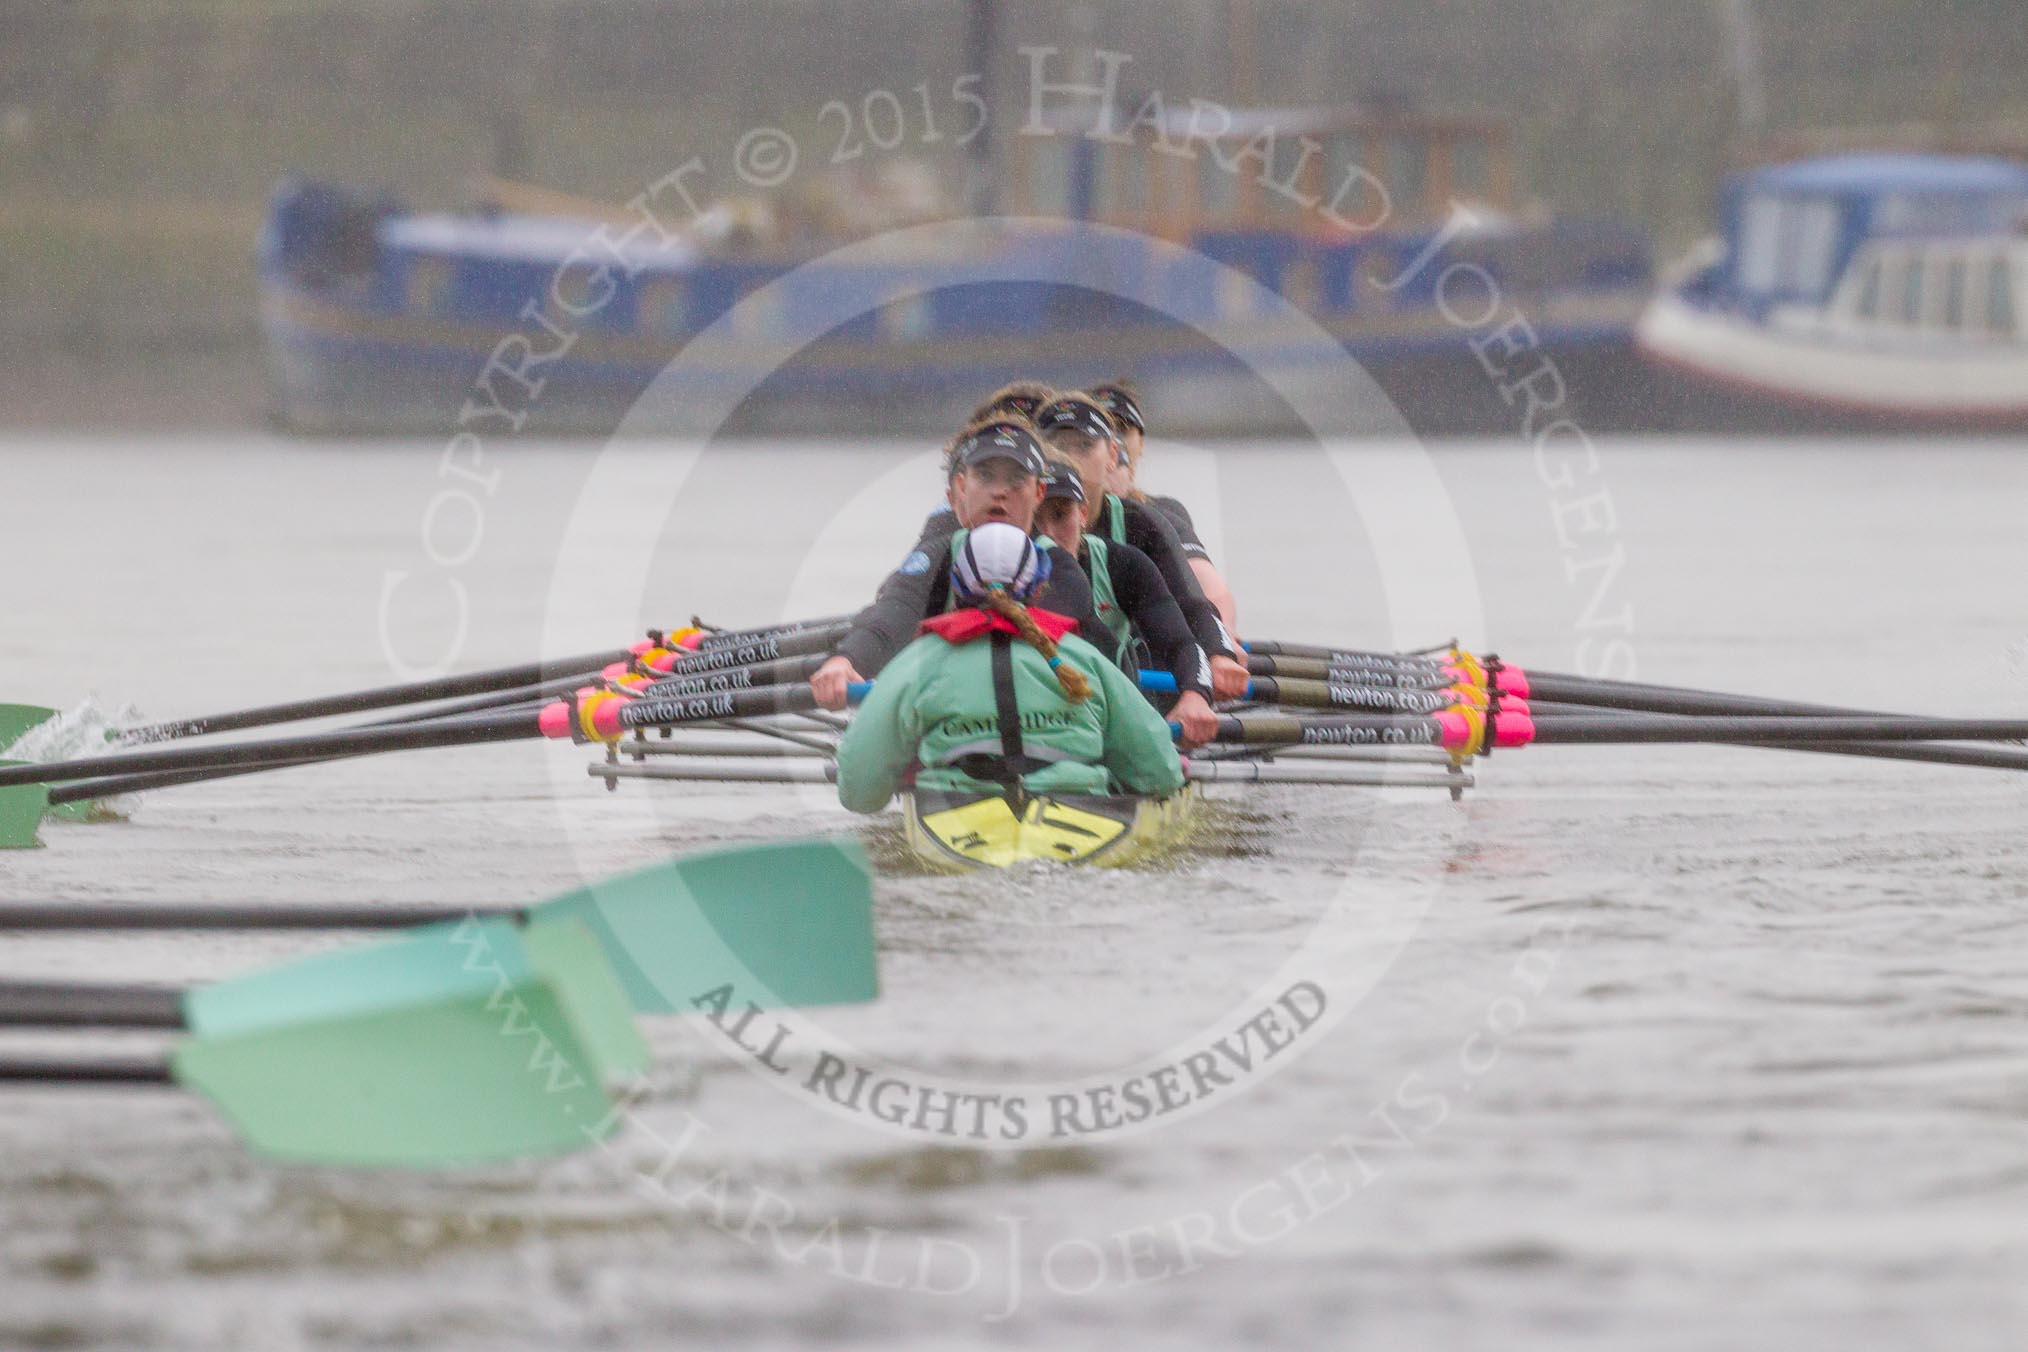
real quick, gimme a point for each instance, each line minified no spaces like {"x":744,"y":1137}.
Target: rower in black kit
{"x":996,"y":473}
{"x":1141,"y":618}
{"x":1079,"y":430}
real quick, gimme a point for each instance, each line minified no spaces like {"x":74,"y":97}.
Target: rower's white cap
{"x":998,"y":553}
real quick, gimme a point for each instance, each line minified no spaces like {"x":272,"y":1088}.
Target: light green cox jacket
{"x":934,"y":704}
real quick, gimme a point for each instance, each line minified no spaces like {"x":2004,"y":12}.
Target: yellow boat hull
{"x":959,"y":832}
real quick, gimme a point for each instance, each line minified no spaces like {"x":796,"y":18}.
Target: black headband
{"x":1121,"y":405}
{"x":1002,"y":441}
{"x":1076,"y":415}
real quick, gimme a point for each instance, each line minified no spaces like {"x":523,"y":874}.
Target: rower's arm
{"x":1215,"y":590}
{"x":1152,"y":534}
{"x":902,"y":604}
{"x":1138,"y":585}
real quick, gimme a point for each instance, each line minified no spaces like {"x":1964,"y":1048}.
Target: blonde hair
{"x":1132,"y":446}
{"x":1001,"y":400}
{"x":1069,"y":679}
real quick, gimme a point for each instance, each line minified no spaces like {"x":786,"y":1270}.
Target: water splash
{"x":86,"y":729}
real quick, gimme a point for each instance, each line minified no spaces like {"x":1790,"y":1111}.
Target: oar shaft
{"x":1344,"y":691}
{"x":1286,"y":730}
{"x":505,"y":699}
{"x":740,"y":638}
{"x":766,"y":649}
{"x":1625,"y":730}
{"x":387,"y":697}
{"x":124,"y":915}
{"x":48,"y":1004}
{"x":64,"y":1070}
{"x":777,"y":672}
{"x":1349,"y":657}
{"x":1668,"y":699}
{"x":613,"y":717}
{"x":88,"y":790}
{"x":1319,"y":669}
{"x":1345,"y":694}
{"x":468,"y":730}
{"x":1976,"y":757}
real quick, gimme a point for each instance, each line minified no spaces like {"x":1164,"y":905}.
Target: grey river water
{"x":1633,"y":1049}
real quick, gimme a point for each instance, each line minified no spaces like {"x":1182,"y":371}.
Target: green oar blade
{"x":21,"y":809}
{"x":784,"y":924}
{"x":16,"y":719}
{"x":592,"y":994}
{"x":458,"y":1044}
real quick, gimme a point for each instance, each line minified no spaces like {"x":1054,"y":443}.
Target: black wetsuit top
{"x":1139,"y":590}
{"x":1186,"y":530}
{"x":1147,"y":529}
{"x":921,"y":589}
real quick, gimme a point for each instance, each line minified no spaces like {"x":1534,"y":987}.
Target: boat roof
{"x":1184,"y":121}
{"x":1961,"y":174}
{"x":527,"y":239}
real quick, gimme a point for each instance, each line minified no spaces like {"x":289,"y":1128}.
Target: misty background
{"x":139,"y":140}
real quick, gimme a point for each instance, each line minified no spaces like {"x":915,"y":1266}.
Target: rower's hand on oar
{"x":1194,"y":714}
{"x":1229,"y":679}
{"x":829,"y":683}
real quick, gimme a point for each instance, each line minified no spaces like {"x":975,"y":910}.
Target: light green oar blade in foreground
{"x":461,"y":1043}
{"x":21,"y":810}
{"x":783,"y":924}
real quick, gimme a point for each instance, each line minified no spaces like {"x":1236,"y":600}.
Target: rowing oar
{"x":22,"y":808}
{"x":1354,"y":667}
{"x":1978,"y":757}
{"x":386,"y":697}
{"x":710,"y":650}
{"x":1346,"y":694}
{"x":791,"y":923}
{"x":1417,"y":678}
{"x":481,"y":1036}
{"x":1344,"y":691}
{"x":592,"y":715}
{"x":572,"y":719}
{"x":462,"y":1044}
{"x":16,"y":720}
{"x":1467,"y":731}
{"x":701,"y":638}
{"x":766,"y":648}
{"x":785,"y":670}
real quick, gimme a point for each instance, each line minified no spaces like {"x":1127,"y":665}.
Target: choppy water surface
{"x":1639,"y":1049}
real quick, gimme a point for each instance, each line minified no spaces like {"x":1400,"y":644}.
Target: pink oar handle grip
{"x":595,"y":716}
{"x":1461,"y":733}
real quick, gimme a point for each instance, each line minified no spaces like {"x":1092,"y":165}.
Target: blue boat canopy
{"x":1792,"y":230}
{"x":1877,"y":174}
